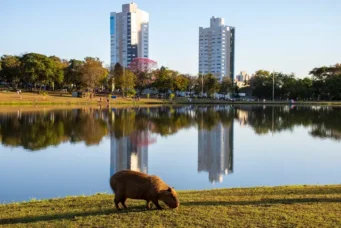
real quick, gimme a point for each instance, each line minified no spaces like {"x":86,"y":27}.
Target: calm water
{"x":74,"y":152}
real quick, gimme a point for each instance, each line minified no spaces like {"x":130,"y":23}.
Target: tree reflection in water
{"x":38,"y":130}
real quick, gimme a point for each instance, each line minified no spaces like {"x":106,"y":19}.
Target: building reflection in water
{"x":215,"y":141}
{"x":215,"y":151}
{"x":131,"y":151}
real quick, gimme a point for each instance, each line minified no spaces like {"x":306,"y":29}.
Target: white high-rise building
{"x":129,"y":35}
{"x":216,"y":49}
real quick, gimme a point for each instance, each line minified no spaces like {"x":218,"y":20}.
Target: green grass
{"x":294,"y":206}
{"x":54,"y":99}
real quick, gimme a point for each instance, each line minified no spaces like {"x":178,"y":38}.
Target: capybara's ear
{"x":172,"y":187}
{"x":169,"y":189}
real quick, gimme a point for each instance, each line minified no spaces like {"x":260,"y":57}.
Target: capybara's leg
{"x":116,"y":203}
{"x":123,"y":202}
{"x":148,"y":204}
{"x":156,"y":202}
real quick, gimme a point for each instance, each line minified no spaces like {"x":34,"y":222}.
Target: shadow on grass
{"x":74,"y":215}
{"x":282,"y":191}
{"x":71,"y":216}
{"x":263,"y":202}
{"x":306,"y":191}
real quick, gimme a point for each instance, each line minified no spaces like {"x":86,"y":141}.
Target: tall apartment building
{"x":129,"y":34}
{"x":216,"y":49}
{"x":243,"y":76}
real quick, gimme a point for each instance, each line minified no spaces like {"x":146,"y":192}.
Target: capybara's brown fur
{"x":136,"y":185}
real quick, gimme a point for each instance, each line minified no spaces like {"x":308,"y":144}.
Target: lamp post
{"x":202,"y":85}
{"x":273,"y":85}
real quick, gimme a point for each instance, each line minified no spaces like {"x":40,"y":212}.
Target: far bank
{"x":59,"y":99}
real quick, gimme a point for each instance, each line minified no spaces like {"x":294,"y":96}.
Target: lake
{"x":47,"y":154}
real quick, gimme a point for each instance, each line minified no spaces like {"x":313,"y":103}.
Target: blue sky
{"x":288,"y":36}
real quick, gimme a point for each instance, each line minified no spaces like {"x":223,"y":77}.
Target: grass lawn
{"x":54,"y":98}
{"x":293,"y":206}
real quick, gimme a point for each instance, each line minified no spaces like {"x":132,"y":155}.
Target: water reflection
{"x":38,"y":130}
{"x":134,"y":130}
{"x":215,"y":151}
{"x":80,"y":148}
{"x":130,"y":152}
{"x":323,"y":121}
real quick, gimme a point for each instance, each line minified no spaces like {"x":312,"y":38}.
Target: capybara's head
{"x":169,"y":197}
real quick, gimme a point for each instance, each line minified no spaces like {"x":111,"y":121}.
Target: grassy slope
{"x":296,"y":206}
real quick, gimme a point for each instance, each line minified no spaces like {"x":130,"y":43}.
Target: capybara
{"x":137,"y":185}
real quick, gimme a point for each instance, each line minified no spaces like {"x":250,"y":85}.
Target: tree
{"x":181,"y":83}
{"x":285,"y":86}
{"x":261,"y":84}
{"x":326,"y":81}
{"x":333,"y":87}
{"x":226,"y":85}
{"x":126,"y":82}
{"x":10,"y":72}
{"x":263,"y":73}
{"x":192,"y":81}
{"x":115,"y":75}
{"x":92,"y":73}
{"x":73,"y":74}
{"x":58,"y":68}
{"x":321,"y":73}
{"x":199,"y":84}
{"x":164,"y":80}
{"x":118,"y":70}
{"x":211,"y":84}
{"x":142,"y":68}
{"x":37,"y":69}
{"x":304,"y":88}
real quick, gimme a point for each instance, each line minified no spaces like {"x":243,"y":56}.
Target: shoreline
{"x":165,"y":102}
{"x":298,"y":205}
{"x":33,"y":99}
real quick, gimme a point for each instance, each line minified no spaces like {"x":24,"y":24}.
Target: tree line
{"x":324,"y":84}
{"x":165,"y":80}
{"x":33,"y":70}
{"x":39,"y":71}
